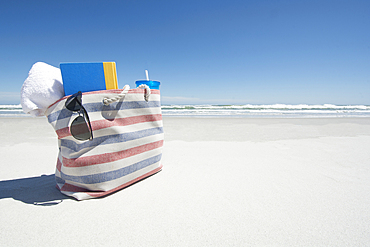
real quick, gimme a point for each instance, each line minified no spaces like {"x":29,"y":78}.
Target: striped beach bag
{"x":107,"y":140}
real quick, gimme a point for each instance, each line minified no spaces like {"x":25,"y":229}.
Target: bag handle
{"x":108,"y":101}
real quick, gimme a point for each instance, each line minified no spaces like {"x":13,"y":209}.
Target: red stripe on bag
{"x":110,"y":157}
{"x":100,"y":194}
{"x":72,"y":188}
{"x":63,"y":132}
{"x":118,"y":91}
{"x":59,"y":165}
{"x":101,"y":124}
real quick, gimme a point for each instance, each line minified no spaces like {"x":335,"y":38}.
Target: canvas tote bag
{"x":126,"y":144}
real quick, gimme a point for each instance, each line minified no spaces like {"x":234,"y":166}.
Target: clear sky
{"x":218,"y":52}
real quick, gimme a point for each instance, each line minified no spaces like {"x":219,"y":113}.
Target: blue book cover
{"x":86,"y":77}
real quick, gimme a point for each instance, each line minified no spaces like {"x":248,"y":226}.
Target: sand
{"x":225,"y":182}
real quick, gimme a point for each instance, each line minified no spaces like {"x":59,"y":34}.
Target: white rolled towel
{"x":42,"y":87}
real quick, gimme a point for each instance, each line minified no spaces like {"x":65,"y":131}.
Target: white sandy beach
{"x":225,"y":182}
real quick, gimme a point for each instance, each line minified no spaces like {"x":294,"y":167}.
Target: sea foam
{"x":247,"y":110}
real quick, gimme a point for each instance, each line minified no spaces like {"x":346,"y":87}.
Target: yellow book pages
{"x":110,"y":74}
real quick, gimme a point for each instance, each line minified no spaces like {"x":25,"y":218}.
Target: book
{"x":86,"y":77}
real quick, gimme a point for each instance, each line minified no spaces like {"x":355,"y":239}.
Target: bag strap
{"x":147,"y":91}
{"x":108,"y":101}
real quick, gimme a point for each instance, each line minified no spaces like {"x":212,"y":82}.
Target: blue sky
{"x":217,"y":52}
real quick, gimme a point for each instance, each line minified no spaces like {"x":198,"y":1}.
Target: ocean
{"x":12,"y":111}
{"x":242,"y":111}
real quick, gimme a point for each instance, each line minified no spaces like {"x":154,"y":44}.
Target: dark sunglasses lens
{"x":79,"y":129}
{"x":73,"y":103}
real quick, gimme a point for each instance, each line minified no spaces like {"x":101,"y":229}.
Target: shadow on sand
{"x":39,"y":191}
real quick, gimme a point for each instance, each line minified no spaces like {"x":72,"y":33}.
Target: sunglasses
{"x":81,"y":126}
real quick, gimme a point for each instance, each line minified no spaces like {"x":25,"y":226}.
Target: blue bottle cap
{"x":151,"y":84}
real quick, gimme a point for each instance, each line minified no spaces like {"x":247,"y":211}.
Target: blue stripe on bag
{"x":95,"y":107}
{"x":59,"y":180}
{"x":108,"y":176}
{"x":110,"y":139}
